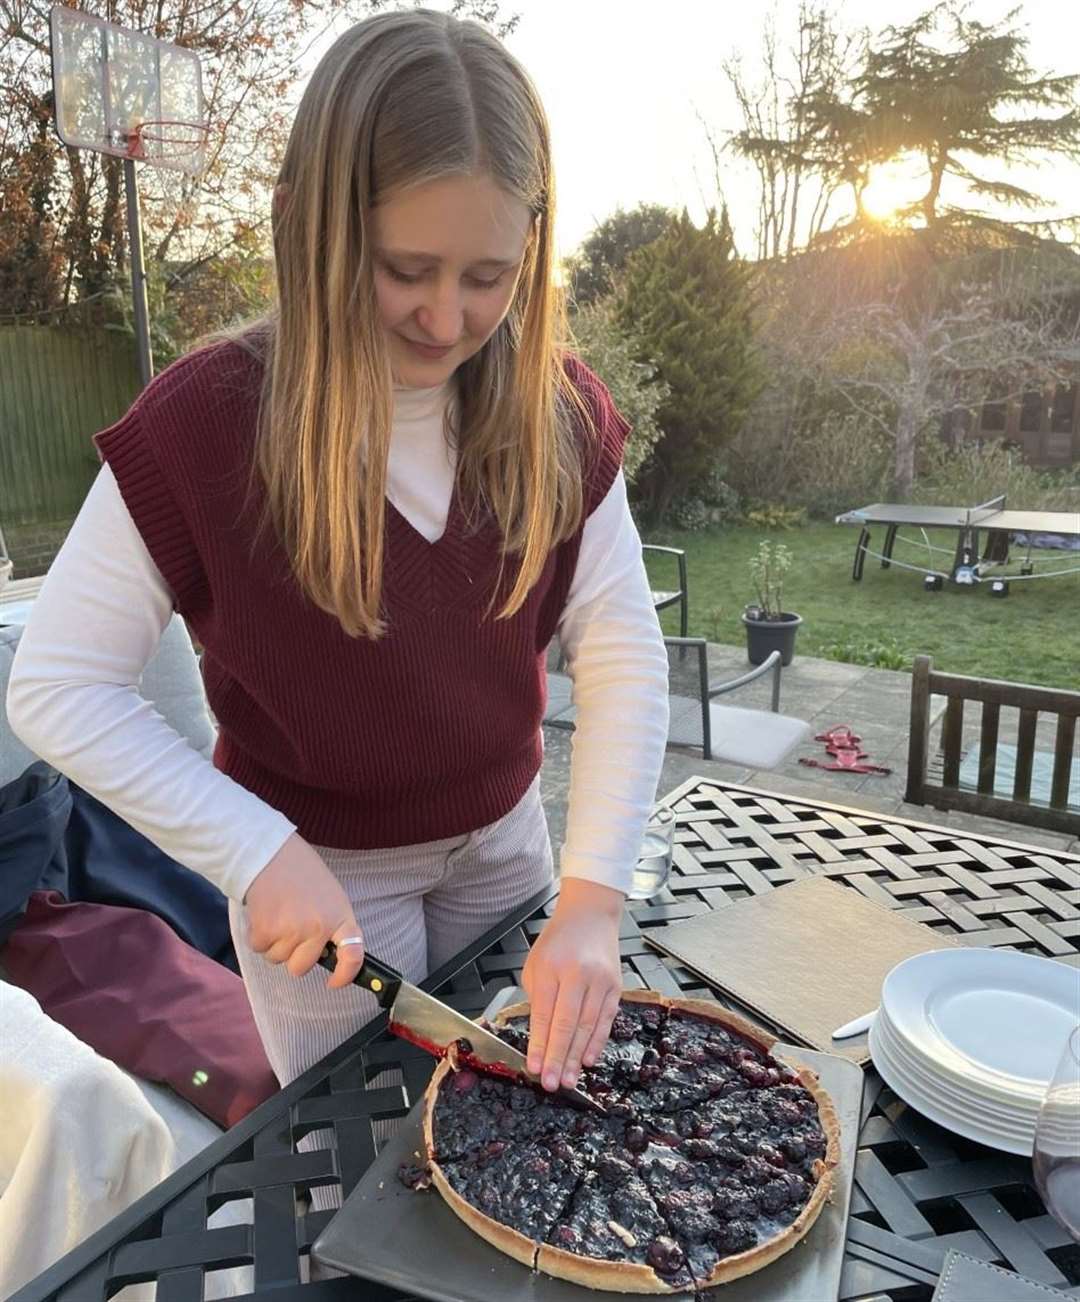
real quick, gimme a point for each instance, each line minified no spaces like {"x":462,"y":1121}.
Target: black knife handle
{"x":380,"y":978}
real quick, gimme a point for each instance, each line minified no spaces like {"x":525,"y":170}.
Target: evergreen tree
{"x":592,"y":270}
{"x":956,"y":93}
{"x":686,"y":297}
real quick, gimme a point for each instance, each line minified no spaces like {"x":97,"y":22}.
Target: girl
{"x":375,"y":508}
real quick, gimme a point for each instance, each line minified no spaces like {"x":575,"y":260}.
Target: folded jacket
{"x":56,"y":837}
{"x":124,"y":983}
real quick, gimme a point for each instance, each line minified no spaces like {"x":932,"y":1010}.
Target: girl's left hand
{"x":573,"y":978}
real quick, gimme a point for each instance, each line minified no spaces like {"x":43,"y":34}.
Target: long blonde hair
{"x":401,"y":99}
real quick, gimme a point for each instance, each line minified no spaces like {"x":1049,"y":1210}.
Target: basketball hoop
{"x":170,"y":139}
{"x":106,"y":80}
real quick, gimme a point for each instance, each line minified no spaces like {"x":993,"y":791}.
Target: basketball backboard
{"x":124,"y":93}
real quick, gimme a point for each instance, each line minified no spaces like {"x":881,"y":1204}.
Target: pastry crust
{"x":628,"y":1277}
{"x":594,"y":1272}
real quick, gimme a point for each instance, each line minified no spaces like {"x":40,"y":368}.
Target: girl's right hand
{"x":294,"y":906}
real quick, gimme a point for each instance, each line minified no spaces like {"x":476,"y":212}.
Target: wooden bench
{"x":947,"y":792}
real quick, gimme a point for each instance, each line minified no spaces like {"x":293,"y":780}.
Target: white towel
{"x":80,"y":1140}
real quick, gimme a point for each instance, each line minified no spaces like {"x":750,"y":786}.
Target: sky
{"x":623,"y":83}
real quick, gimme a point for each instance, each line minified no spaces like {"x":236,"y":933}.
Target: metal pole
{"x":138,"y":275}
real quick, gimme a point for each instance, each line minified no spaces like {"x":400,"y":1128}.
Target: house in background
{"x":1044,"y":424}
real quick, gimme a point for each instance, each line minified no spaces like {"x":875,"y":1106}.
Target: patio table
{"x":919,"y":1190}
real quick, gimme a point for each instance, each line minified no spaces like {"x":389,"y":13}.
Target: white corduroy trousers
{"x":417,"y":906}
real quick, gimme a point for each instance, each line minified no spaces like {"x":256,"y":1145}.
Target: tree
{"x":250,"y":59}
{"x":945,"y":90}
{"x":592,"y":270}
{"x":906,"y":368}
{"x":687,"y":299}
{"x":613,"y":352}
{"x":954,"y":93}
{"x":799,"y":169}
{"x":31,"y":264}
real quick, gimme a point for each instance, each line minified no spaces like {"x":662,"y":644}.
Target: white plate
{"x":994,"y":1090}
{"x":988,"y":1016}
{"x":1001,"y":1101}
{"x":1020,"y":1117}
{"x":958,"y":1124}
{"x":948,"y":1111}
{"x":1014,"y":1110}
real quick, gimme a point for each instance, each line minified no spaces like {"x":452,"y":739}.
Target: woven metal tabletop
{"x":919,"y":1190}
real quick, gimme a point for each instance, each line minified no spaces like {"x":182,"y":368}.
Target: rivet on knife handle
{"x":380,"y":978}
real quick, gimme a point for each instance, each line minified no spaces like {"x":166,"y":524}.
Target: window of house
{"x":1061,"y":413}
{"x":1031,"y":409}
{"x":992,"y":420}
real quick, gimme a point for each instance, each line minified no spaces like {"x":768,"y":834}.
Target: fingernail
{"x":589,"y":1060}
{"x":551,"y":1081}
{"x":569,"y":1079}
{"x":534,"y":1066}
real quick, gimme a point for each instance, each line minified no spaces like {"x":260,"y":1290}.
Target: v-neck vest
{"x":429,"y":732}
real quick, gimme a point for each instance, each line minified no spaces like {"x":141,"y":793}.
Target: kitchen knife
{"x":432,"y":1025}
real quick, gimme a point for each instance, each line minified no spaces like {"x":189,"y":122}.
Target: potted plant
{"x":768,"y":626}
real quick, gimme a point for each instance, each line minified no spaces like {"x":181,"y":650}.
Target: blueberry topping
{"x":756,"y":1171}
{"x":665,"y":1256}
{"x":686,"y":1124}
{"x":622,"y":1028}
{"x":754,"y":1072}
{"x":636,"y":1139}
{"x":613,"y":1170}
{"x":415,"y":1177}
{"x":774,"y":1197}
{"x":735,"y":1236}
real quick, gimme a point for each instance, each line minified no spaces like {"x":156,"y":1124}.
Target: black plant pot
{"x":763,"y":636}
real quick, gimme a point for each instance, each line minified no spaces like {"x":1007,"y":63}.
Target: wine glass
{"x":1057,"y":1141}
{"x":654,"y":858}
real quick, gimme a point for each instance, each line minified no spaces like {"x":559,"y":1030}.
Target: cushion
{"x":756,"y":739}
{"x":1042,"y":773}
{"x":171,"y":681}
{"x":14,"y":756}
{"x":123,"y":982}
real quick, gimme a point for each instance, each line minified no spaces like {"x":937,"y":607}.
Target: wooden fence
{"x":59,"y":385}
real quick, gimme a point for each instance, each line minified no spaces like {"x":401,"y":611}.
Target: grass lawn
{"x":1032,"y":635}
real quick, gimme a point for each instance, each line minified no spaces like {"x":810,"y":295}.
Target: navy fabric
{"x":56,"y":837}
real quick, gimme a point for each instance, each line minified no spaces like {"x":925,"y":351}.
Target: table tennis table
{"x":1002,"y":529}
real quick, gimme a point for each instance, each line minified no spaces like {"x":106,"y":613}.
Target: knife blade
{"x":434,"y":1026}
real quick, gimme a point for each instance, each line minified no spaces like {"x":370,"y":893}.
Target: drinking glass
{"x":654,"y":859}
{"x":1057,"y":1141}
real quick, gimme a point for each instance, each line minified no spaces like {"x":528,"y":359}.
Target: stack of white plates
{"x":971,"y":1038}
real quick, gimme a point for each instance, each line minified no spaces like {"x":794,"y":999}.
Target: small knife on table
{"x":432,"y":1025}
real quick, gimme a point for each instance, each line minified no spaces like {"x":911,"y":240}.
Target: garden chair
{"x":756,"y":739}
{"x":1011,"y":780}
{"x":662,"y":598}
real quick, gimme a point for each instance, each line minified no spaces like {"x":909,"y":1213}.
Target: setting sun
{"x":894,"y":185}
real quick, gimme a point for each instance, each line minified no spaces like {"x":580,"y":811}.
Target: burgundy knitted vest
{"x":429,"y":732}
